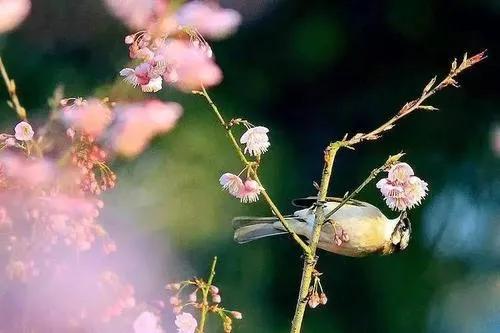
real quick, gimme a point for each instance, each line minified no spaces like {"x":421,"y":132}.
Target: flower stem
{"x":205,"y":290}
{"x":250,"y":165}
{"x":11,"y":89}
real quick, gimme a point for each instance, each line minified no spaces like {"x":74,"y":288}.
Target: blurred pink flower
{"x":23,"y":131}
{"x":12,"y":13}
{"x":209,"y":19}
{"x":256,"y":140}
{"x":23,"y":171}
{"x":147,"y":322}
{"x":187,"y":66}
{"x":138,"y":123}
{"x":232,"y":183}
{"x":401,"y":189}
{"x":137,"y":14}
{"x":185,"y":323}
{"x":237,"y":315}
{"x":92,"y":117}
{"x":145,"y":75}
{"x":250,"y":191}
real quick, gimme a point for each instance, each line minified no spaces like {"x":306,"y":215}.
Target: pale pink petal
{"x":250,"y":191}
{"x":256,"y":140}
{"x":92,"y":117}
{"x":400,"y":173}
{"x":232,"y":183}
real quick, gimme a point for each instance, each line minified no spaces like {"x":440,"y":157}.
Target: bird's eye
{"x":404,"y":228}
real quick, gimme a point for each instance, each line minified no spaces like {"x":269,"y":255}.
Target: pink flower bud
{"x":129,"y":39}
{"x":323,"y":299}
{"x":214,"y":290}
{"x":192,"y":297}
{"x":236,"y":315}
{"x":216,"y":298}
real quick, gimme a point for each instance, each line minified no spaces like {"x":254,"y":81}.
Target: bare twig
{"x":11,"y":89}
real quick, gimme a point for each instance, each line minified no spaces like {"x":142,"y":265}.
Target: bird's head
{"x":401,"y":235}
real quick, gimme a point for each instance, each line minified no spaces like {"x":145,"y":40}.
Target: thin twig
{"x":11,"y":89}
{"x":250,"y":165}
{"x":205,"y":290}
{"x":390,"y":161}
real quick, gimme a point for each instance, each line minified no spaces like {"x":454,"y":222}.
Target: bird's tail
{"x":247,"y":229}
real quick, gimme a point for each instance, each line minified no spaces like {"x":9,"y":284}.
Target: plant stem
{"x":310,"y":258}
{"x":204,"y":306}
{"x":11,"y":89}
{"x":253,"y":172}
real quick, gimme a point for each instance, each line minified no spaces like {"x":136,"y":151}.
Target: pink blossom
{"x":20,"y":170}
{"x":138,"y":123}
{"x":256,"y":140}
{"x":145,"y":75}
{"x":187,"y":66}
{"x":92,"y":117}
{"x":237,"y":315}
{"x":250,"y":192}
{"x":401,"y":189}
{"x":209,"y":19}
{"x":147,"y":322}
{"x":23,"y":131}
{"x":185,"y":323}
{"x":232,"y":183}
{"x":12,"y":13}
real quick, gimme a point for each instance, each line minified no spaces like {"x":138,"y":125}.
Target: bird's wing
{"x":309,"y":201}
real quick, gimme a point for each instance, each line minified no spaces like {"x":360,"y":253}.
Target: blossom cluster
{"x":256,"y":143}
{"x":199,"y":295}
{"x":401,"y":189}
{"x":171,"y":47}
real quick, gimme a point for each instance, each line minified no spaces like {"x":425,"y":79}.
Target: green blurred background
{"x":310,"y":71}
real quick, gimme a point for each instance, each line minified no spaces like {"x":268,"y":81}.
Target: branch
{"x":310,"y":259}
{"x":429,"y":90}
{"x":251,"y":167}
{"x":204,"y":306}
{"x":11,"y":89}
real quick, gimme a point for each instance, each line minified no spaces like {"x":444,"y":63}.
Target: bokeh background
{"x":310,"y":71}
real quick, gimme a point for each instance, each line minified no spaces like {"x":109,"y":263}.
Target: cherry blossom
{"x":256,"y":140}
{"x":23,"y":131}
{"x":250,"y":191}
{"x":401,"y":189}
{"x":147,"y":322}
{"x":232,"y":183}
{"x":145,"y":75}
{"x":185,"y":323}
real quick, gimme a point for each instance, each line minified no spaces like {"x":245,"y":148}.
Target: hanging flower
{"x":23,"y":131}
{"x":256,"y":140}
{"x":185,"y":323}
{"x":145,"y":75}
{"x":250,"y":191}
{"x":401,"y":189}
{"x":232,"y":183}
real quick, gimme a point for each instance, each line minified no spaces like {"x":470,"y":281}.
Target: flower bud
{"x":236,"y":315}
{"x":323,"y":299}
{"x":192,"y":297}
{"x":216,"y":298}
{"x":214,"y":290}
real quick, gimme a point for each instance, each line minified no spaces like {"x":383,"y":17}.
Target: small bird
{"x":357,"y":229}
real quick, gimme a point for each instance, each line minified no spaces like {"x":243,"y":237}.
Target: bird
{"x":357,"y":229}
